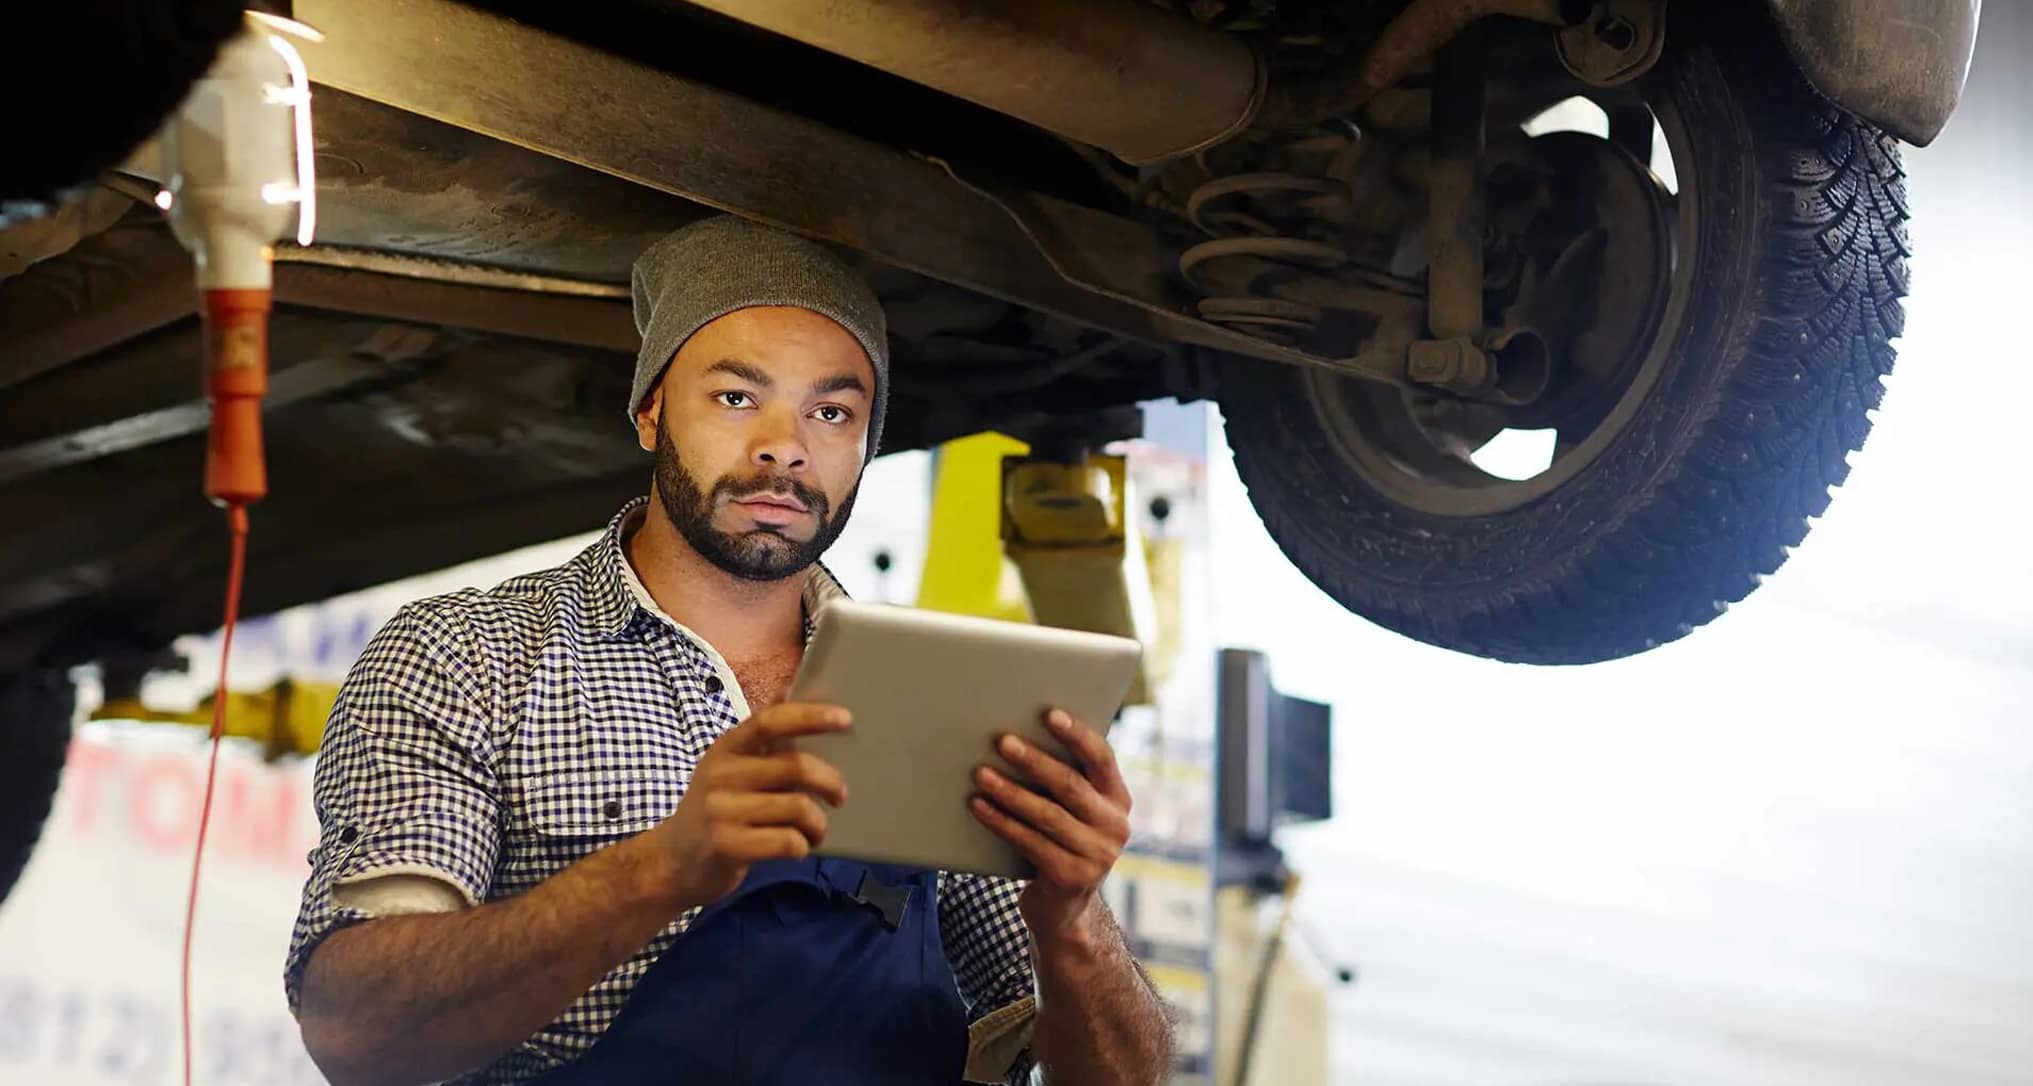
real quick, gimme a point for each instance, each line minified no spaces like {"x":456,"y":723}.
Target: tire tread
{"x":1763,"y":452}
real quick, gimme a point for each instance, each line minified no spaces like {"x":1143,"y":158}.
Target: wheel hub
{"x":1579,"y":280}
{"x":1588,"y":242}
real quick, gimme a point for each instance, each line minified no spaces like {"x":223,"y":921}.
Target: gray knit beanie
{"x":715,"y":266}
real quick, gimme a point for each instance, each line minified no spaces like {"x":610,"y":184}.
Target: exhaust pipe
{"x":1117,"y":74}
{"x":1120,"y":75}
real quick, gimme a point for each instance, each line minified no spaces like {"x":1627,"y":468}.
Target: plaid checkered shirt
{"x":489,"y":739}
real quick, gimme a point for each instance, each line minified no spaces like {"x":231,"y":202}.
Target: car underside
{"x":1381,"y":260}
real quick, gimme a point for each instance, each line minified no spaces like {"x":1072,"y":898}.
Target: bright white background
{"x":1795,"y":848}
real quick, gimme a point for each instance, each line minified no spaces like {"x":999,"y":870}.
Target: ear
{"x":647,"y":416}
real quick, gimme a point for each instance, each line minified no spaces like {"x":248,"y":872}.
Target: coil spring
{"x":1280,"y":258}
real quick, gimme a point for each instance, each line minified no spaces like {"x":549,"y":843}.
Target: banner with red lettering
{"x":89,"y":939}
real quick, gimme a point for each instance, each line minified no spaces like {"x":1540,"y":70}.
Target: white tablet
{"x":930,"y":694}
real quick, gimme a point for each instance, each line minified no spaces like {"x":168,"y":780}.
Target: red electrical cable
{"x":236,"y":476}
{"x":236,"y":522}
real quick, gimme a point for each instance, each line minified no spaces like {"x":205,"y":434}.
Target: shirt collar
{"x":617,"y":599}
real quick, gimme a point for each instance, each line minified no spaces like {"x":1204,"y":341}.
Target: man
{"x":565,"y":824}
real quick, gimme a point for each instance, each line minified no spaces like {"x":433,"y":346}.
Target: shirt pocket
{"x":617,"y":803}
{"x":595,"y":767}
{"x":616,"y":788}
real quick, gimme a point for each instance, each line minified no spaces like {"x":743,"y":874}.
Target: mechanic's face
{"x":760,"y":426}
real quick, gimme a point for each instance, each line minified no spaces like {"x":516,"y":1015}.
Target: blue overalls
{"x":819,"y":971}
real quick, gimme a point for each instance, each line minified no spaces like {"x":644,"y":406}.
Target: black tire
{"x":35,"y":735}
{"x":1799,"y":265}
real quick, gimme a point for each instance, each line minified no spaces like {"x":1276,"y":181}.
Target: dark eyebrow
{"x":735,"y":367}
{"x":839,"y":383}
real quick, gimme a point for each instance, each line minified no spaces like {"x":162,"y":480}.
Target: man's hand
{"x":753,"y":797}
{"x":1071,"y":823}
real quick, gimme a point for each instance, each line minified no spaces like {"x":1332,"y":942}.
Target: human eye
{"x":832,"y":413}
{"x":735,"y":398}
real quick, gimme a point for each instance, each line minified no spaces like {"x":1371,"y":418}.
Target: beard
{"x":762,"y":553}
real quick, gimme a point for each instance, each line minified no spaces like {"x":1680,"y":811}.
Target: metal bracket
{"x":1455,"y":212}
{"x":1515,"y":370}
{"x":1618,"y":42}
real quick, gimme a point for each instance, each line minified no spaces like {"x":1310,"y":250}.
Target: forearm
{"x":1099,"y":1021}
{"x":413,"y":999}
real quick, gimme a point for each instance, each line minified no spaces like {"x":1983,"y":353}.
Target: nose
{"x":779,"y":447}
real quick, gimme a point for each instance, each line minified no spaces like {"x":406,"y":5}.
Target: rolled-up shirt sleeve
{"x":405,"y":781}
{"x":989,"y":948}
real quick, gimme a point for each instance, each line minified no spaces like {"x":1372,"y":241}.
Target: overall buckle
{"x":889,"y":901}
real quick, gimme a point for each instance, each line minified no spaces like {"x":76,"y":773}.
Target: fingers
{"x":1060,"y":781}
{"x":1055,"y":864}
{"x":755,"y":756}
{"x":761,"y":733}
{"x":794,"y":810}
{"x":1101,"y":836}
{"x":1094,"y":754}
{"x":787,"y":771}
{"x":1071,"y":824}
{"x":746,"y":845}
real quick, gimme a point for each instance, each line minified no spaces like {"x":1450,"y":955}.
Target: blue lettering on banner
{"x":336,"y":639}
{"x":133,"y":1048}
{"x":114,"y":1037}
{"x":19,"y":1016}
{"x":70,"y":1027}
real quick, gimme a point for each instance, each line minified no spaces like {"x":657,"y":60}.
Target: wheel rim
{"x":1415,"y":447}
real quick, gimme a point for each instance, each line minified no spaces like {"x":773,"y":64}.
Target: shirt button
{"x":349,"y":835}
{"x":714,"y":685}
{"x":612,"y":809}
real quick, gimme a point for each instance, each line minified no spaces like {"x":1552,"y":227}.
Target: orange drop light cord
{"x":236,"y":476}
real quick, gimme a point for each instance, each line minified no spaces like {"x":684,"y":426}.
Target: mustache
{"x":729,"y":488}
